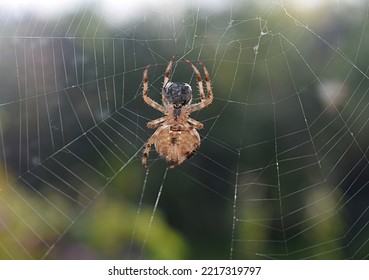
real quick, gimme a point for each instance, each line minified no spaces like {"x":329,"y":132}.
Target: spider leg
{"x":166,"y":78}
{"x":148,"y":145}
{"x":207,"y":81}
{"x":207,"y":101}
{"x":195,"y":124}
{"x":199,"y":78}
{"x":156,"y":123}
{"x":147,"y":99}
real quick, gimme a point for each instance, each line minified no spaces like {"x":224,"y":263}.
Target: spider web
{"x":282,"y":171}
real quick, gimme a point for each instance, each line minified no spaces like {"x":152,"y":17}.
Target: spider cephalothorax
{"x":178,"y":95}
{"x":176,"y":138}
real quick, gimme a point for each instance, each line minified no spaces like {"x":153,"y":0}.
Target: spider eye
{"x":178,"y":93}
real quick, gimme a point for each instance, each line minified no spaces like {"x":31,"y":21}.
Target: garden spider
{"x":176,"y":138}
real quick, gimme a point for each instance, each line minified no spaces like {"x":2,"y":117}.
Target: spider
{"x":176,"y":138}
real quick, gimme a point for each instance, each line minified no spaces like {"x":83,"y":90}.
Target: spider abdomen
{"x":177,"y":146}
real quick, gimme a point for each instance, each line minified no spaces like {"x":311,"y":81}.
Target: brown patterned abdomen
{"x":177,"y":146}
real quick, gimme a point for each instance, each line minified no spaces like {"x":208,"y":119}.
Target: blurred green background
{"x":282,"y":172}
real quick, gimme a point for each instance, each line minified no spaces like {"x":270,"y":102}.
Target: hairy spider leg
{"x":195,"y":124}
{"x":204,"y":101}
{"x":155,"y":123}
{"x":148,"y":145}
{"x":166,"y":79}
{"x":146,"y":98}
{"x":207,"y":81}
{"x":199,"y":78}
